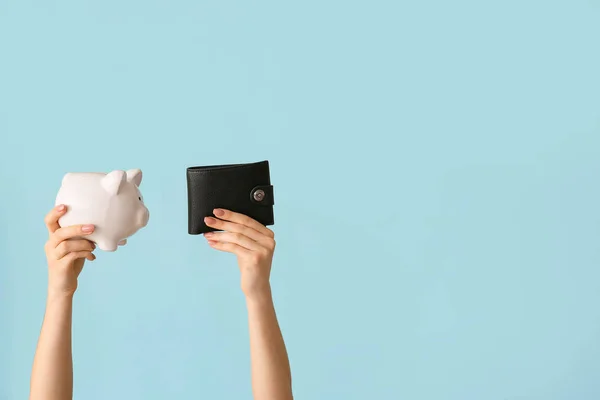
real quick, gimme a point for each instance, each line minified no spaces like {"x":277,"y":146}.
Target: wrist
{"x":262,"y":296}
{"x":59,"y":296}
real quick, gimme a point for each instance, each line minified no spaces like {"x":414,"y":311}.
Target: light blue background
{"x":436,"y":169}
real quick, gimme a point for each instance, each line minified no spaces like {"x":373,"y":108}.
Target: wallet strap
{"x":262,"y":195}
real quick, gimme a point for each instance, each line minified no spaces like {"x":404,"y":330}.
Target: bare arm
{"x":52,"y":372}
{"x":254,"y":245}
{"x":271,"y":376}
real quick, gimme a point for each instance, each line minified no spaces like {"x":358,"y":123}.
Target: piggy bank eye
{"x":140,"y":198}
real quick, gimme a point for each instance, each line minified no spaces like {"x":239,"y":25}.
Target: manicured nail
{"x":60,"y":208}
{"x":87,"y":228}
{"x":209,"y":220}
{"x":218,"y":212}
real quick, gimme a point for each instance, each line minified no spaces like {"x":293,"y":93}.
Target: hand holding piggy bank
{"x":111,"y":202}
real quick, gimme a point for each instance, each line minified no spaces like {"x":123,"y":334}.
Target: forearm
{"x":52,"y":373}
{"x":271,"y":377}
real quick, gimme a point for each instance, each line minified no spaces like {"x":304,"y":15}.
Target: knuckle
{"x":63,"y":247}
{"x":59,"y":233}
{"x":263,"y":252}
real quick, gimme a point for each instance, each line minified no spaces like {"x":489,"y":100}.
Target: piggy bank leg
{"x":122,"y":242}
{"x":107,"y":245}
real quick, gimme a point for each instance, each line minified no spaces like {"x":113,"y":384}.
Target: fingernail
{"x":60,"y":207}
{"x":209,"y":220}
{"x":211,"y":242}
{"x":218,"y":212}
{"x":87,"y":228}
{"x":208,"y":234}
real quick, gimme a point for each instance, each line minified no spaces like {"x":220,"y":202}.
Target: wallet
{"x":242,"y":188}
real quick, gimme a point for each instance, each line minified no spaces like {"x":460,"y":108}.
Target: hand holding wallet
{"x":242,"y":188}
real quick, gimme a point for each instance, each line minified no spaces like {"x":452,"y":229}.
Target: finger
{"x":242,"y":219}
{"x":233,"y":227}
{"x":265,"y":241}
{"x":72,"y":246}
{"x":79,"y":254}
{"x":51,"y":219}
{"x":69,"y":232}
{"x":228,"y":247}
{"x":235,"y":238}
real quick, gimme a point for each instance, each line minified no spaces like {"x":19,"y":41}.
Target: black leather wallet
{"x":243,"y":188}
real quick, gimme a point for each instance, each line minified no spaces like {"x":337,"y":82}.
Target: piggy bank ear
{"x":113,"y":181}
{"x":135,"y":176}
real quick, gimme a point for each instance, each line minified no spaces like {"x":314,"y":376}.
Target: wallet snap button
{"x":259,"y":195}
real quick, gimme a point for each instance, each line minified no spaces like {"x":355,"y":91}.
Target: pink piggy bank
{"x":111,"y":202}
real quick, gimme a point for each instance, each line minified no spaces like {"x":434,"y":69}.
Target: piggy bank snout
{"x":143,"y":215}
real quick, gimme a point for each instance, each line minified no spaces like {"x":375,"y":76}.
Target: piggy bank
{"x":111,"y":202}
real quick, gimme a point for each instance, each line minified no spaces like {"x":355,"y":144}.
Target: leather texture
{"x":243,"y":188}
